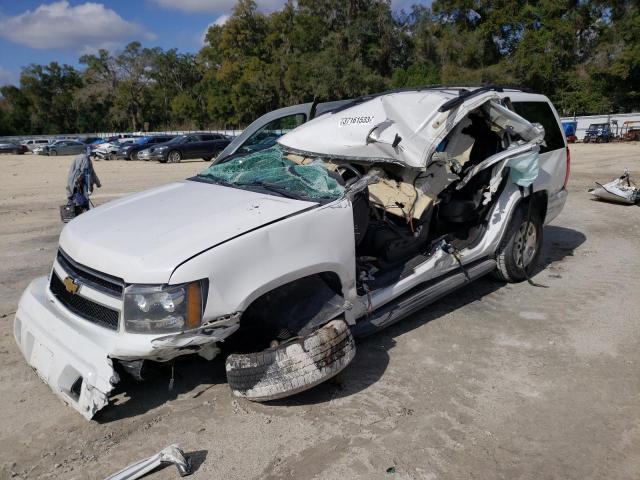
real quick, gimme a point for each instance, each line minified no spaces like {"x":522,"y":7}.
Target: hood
{"x":143,"y":237}
{"x":163,"y":144}
{"x":400,"y":127}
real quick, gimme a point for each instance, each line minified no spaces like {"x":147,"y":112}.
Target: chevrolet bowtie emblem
{"x":71,"y":285}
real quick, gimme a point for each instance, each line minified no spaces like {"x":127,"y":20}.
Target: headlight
{"x":164,"y":308}
{"x":160,"y":149}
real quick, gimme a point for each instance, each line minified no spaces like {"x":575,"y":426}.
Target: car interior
{"x":401,"y":218}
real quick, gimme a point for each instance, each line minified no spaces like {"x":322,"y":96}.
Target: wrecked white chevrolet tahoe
{"x":350,"y":222}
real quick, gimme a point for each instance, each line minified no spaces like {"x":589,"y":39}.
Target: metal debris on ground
{"x":172,"y":454}
{"x":620,"y":190}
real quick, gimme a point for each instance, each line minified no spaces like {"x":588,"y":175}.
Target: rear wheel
{"x":520,"y":246}
{"x":174,"y":156}
{"x":292,"y":367}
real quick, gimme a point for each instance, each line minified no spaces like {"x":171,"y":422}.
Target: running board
{"x":415,"y":300}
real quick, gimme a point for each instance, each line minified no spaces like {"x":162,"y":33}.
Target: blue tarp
{"x":569,"y":128}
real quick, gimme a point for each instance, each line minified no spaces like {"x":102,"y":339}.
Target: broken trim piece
{"x":167,"y":456}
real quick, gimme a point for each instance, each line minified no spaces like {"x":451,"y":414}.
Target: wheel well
{"x":540,"y":200}
{"x":294,"y":309}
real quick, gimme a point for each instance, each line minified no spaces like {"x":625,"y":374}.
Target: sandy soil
{"x":494,"y":381}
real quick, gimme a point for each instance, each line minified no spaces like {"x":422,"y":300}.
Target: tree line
{"x":583,"y":54}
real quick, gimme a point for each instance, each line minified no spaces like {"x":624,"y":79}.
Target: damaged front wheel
{"x":294,"y":366}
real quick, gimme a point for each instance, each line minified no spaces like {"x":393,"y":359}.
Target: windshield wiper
{"x":269,"y":187}
{"x":212,"y":179}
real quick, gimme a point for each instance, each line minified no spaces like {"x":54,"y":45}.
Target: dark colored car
{"x":193,"y":145}
{"x":63,"y":147}
{"x":89,"y":140}
{"x":11,"y":147}
{"x":598,"y":132}
{"x":130,"y":151}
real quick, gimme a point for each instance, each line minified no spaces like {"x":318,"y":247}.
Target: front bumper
{"x":74,"y":357}
{"x":153,"y":156}
{"x":75,"y":366}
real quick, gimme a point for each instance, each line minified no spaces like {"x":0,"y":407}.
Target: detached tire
{"x":292,"y":367}
{"x":509,"y":252}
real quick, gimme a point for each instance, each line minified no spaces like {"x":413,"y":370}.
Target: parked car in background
{"x":109,"y":150}
{"x":599,"y":133}
{"x":630,"y":131}
{"x":130,"y":151}
{"x":35,"y":142}
{"x":62,"y":147}
{"x":89,"y":140}
{"x":13,"y":147}
{"x":193,"y":145}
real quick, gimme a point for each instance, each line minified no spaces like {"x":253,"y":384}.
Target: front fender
{"x":239,"y":271}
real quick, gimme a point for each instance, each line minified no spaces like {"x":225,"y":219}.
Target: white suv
{"x":352,"y":221}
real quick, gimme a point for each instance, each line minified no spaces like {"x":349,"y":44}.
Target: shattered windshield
{"x":272,"y":171}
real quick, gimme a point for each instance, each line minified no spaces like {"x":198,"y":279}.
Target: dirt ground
{"x":493,"y":382}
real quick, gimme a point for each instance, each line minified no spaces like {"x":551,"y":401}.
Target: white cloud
{"x":8,"y":77}
{"x":83,"y":27}
{"x":195,"y":6}
{"x":220,"y":21}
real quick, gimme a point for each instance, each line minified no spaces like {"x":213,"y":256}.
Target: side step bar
{"x":418,"y":298}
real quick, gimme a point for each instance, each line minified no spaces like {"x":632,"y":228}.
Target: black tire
{"x":292,"y":367}
{"x":174,"y":156}
{"x":508,"y":254}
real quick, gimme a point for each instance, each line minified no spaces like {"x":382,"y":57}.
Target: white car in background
{"x":34,"y":143}
{"x":109,"y":150}
{"x":352,"y":221}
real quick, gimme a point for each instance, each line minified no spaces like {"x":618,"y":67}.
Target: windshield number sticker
{"x":349,"y":121}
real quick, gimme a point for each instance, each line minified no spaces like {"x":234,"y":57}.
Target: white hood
{"x":402,"y":127}
{"x":142,"y":238}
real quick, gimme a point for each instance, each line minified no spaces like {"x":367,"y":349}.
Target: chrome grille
{"x":83,"y":307}
{"x":97,"y":280}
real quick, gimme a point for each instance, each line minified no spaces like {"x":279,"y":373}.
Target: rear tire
{"x":292,"y":367}
{"x":509,"y":253}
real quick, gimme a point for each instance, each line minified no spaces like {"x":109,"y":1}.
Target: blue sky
{"x":33,"y":31}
